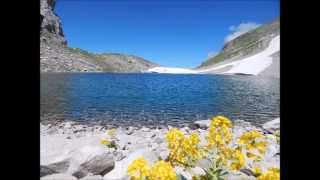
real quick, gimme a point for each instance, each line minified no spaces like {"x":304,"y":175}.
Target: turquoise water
{"x":156,"y":99}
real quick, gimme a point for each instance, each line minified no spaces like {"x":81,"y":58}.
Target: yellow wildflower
{"x":271,"y":174}
{"x":252,"y":140}
{"x":139,"y":169}
{"x":183,"y":150}
{"x":105,"y":142}
{"x":162,"y":170}
{"x":238,"y":160}
{"x":256,"y":171}
{"x":219,"y":132}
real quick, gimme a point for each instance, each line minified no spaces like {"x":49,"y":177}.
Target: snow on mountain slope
{"x":172,"y":70}
{"x":253,"y":65}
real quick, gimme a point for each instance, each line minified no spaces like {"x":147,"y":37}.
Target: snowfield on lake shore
{"x":252,"y":65}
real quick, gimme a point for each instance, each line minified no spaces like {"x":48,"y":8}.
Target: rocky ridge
{"x":56,"y":56}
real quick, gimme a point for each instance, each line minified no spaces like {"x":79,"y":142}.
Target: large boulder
{"x":58,"y":177}
{"x":44,"y":171}
{"x":98,"y":165}
{"x":120,"y":169}
{"x":272,"y":125}
{"x":79,"y":156}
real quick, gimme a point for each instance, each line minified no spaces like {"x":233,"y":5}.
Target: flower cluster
{"x":253,"y":143}
{"x":237,"y":160}
{"x":219,"y":134}
{"x":224,"y":156}
{"x":183,"y":150}
{"x":161,"y":170}
{"x":139,"y":169}
{"x":271,"y":174}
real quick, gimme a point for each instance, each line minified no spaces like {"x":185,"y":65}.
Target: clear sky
{"x":168,"y":32}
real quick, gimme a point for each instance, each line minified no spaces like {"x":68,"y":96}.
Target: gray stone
{"x":96,"y":177}
{"x":158,"y":140}
{"x":145,"y":129}
{"x":164,"y":154}
{"x":61,"y":166}
{"x":181,"y":172}
{"x":98,"y":165}
{"x":58,"y":176}
{"x":68,"y":125}
{"x":44,"y":171}
{"x":203,"y":124}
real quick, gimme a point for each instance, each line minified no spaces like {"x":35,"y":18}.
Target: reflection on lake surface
{"x":154,"y":99}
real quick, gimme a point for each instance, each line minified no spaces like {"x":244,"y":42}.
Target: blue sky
{"x":170,"y":33}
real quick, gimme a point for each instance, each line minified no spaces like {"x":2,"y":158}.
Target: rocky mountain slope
{"x":56,"y":56}
{"x":248,"y":44}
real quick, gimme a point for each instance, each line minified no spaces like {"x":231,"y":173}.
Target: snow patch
{"x":172,"y":70}
{"x":251,"y":65}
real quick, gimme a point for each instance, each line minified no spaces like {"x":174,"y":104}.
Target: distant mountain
{"x":56,"y":56}
{"x":245,"y":45}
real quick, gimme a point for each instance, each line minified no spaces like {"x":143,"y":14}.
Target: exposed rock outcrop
{"x":51,"y":27}
{"x":55,"y":56}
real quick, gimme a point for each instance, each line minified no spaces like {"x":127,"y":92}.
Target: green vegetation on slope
{"x":246,"y":44}
{"x":116,"y":62}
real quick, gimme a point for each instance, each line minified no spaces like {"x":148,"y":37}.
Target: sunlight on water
{"x":154,"y":99}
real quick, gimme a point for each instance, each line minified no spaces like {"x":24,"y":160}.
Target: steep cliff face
{"x":51,"y":27}
{"x":246,"y":45}
{"x":55,"y":56}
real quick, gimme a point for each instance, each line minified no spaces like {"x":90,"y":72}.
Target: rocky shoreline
{"x":72,"y":151}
